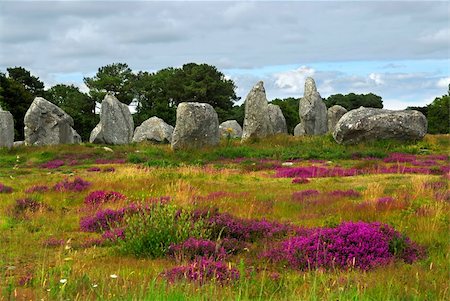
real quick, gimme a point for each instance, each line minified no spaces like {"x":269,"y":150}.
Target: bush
{"x":151,"y":233}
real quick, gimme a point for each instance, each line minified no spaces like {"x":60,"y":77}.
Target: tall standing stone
{"x":153,"y":129}
{"x":365,"y":124}
{"x":47,"y":124}
{"x":197,"y":126}
{"x":277,"y":119}
{"x":256,"y":121}
{"x":312,"y":110}
{"x":116,"y":124}
{"x":6,"y":129}
{"x":334,"y":114}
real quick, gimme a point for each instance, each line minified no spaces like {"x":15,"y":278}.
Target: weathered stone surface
{"x":197,"y":126}
{"x":230,"y":128}
{"x":76,"y":137}
{"x":370,"y":124}
{"x":116,"y":124}
{"x":47,"y":124}
{"x":299,"y":130}
{"x":334,"y":114}
{"x":6,"y":129}
{"x":256,"y":121}
{"x":312,"y":110}
{"x":277,"y":119}
{"x":153,"y":129}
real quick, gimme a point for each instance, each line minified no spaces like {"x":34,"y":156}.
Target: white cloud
{"x":293,"y":81}
{"x":443,"y":82}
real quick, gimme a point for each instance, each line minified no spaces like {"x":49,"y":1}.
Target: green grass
{"x":155,"y":171}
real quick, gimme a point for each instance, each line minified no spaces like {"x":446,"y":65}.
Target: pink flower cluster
{"x":53,"y":164}
{"x":5,"y":189}
{"x":107,"y":219}
{"x":315,"y":172}
{"x":350,"y":245}
{"x":202,"y":271}
{"x":77,"y":185}
{"x":195,"y":247}
{"x":99,"y":197}
{"x":37,"y":188}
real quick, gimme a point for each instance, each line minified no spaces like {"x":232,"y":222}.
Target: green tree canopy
{"x":353,"y":101}
{"x":18,"y":90}
{"x":159,"y":93}
{"x":117,"y":78}
{"x":78,"y":105}
{"x":439,"y":116}
{"x":289,"y":107}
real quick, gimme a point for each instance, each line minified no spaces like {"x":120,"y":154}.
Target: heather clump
{"x":53,"y":242}
{"x":5,"y":189}
{"x":37,"y":189}
{"x":315,"y":172}
{"x":350,"y":245}
{"x":26,"y":205}
{"x":99,"y":197}
{"x":349,"y":193}
{"x":304,"y":194}
{"x":53,"y":164}
{"x":113,"y":235}
{"x":195,"y":247}
{"x":77,"y":185}
{"x":102,"y":220}
{"x":300,"y":181}
{"x":203,"y":270}
{"x":224,"y":225}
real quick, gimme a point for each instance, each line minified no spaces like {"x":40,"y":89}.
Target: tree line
{"x":158,"y":94}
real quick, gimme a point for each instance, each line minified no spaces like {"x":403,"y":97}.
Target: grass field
{"x":278,"y":219}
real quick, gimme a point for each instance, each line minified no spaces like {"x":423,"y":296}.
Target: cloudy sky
{"x":396,"y":49}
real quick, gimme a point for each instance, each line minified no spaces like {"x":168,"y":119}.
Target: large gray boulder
{"x":372,"y":124}
{"x":47,"y":124}
{"x":153,"y":129}
{"x":257,"y":123}
{"x":116,"y":123}
{"x":299,"y":130}
{"x":277,"y":119}
{"x":197,"y":126}
{"x":312,"y":110}
{"x":230,"y":128}
{"x":6,"y":129}
{"x":334,"y":114}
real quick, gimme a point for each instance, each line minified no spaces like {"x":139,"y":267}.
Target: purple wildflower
{"x":114,"y":235}
{"x":5,"y":189}
{"x":203,"y":270}
{"x":314,"y":172}
{"x":53,"y":164}
{"x":304,"y":194}
{"x":99,"y":197}
{"x":37,"y":188}
{"x":194,"y":247}
{"x":300,"y":181}
{"x":77,"y":185}
{"x":94,"y":169}
{"x":350,"y":193}
{"x":360,"y":245}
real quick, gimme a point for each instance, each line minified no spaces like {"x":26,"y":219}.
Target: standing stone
{"x":312,"y":110}
{"x":47,"y":124}
{"x":334,"y":114}
{"x":277,"y":119}
{"x":365,"y":124}
{"x":256,"y":121}
{"x":6,"y":129}
{"x":230,"y":128}
{"x":197,"y":126}
{"x":116,"y":123}
{"x":153,"y":129}
{"x":299,"y":130}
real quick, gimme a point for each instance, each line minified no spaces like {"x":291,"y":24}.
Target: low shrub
{"x":150,"y":233}
{"x":77,"y":185}
{"x":350,"y":245}
{"x":100,"y":196}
